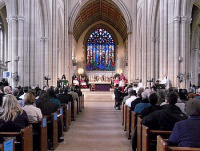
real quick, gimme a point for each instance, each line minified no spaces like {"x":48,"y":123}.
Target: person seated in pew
{"x":138,"y":99}
{"x":165,"y":118}
{"x":186,"y":133}
{"x":132,"y":98}
{"x":128,"y":96}
{"x":12,"y":117}
{"x":144,"y":103}
{"x":78,"y":91}
{"x":71,"y":92}
{"x":47,"y":108}
{"x":34,"y":113}
{"x":53,"y":97}
{"x":15,"y":92}
{"x":64,"y":97}
{"x":153,"y":100}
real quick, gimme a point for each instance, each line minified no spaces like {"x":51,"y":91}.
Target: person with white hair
{"x":7,"y":90}
{"x":144,"y":103}
{"x":132,"y":98}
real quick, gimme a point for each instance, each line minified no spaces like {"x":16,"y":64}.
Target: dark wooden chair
{"x":8,"y":145}
{"x":40,"y":135}
{"x":149,"y":138}
{"x":24,"y":138}
{"x":77,"y":105}
{"x":162,"y":146}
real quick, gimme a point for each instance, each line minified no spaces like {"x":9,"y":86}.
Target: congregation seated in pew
{"x":165,"y":118}
{"x":186,"y":132}
{"x":47,"y":108}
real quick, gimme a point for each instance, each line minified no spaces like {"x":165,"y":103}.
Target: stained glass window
{"x":100,"y":51}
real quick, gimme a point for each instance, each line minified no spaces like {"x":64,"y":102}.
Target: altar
{"x":100,"y":86}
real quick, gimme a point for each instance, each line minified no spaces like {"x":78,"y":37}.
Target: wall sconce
{"x":80,"y":71}
{"x":74,"y":62}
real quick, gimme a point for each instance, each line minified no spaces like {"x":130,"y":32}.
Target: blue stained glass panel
{"x":100,"y":51}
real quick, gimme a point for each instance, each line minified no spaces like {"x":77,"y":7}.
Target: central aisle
{"x":97,"y":128}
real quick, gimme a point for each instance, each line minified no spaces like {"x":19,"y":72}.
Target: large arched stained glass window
{"x":100,"y":51}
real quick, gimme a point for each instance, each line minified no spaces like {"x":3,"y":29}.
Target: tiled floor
{"x":97,"y":128}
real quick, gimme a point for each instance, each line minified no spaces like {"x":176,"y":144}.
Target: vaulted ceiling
{"x":97,"y":10}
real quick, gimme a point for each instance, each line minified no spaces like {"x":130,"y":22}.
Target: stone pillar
{"x":69,"y":58}
{"x":161,"y":51}
{"x":165,"y":38}
{"x":129,"y":58}
{"x":176,"y":50}
{"x":144,"y":43}
{"x":183,"y":50}
{"x":13,"y":52}
{"x":21,"y":50}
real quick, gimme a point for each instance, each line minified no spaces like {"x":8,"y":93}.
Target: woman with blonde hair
{"x":12,"y":116}
{"x":34,"y":113}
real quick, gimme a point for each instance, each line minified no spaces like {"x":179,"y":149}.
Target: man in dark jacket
{"x":186,"y":133}
{"x":64,"y":97}
{"x":165,"y":118}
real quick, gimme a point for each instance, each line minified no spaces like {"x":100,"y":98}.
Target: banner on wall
{"x":6,"y":74}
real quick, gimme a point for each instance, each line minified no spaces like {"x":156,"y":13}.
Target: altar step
{"x":96,"y":96}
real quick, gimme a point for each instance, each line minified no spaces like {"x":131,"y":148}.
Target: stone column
{"x":165,"y":38}
{"x":176,"y":50}
{"x":183,"y":50}
{"x":13,"y":43}
{"x":21,"y":50}
{"x":144,"y":43}
{"x":129,"y":58}
{"x":161,"y":51}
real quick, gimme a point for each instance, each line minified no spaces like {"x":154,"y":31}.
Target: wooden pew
{"x":8,"y":145}
{"x":40,"y":135}
{"x":83,"y":104}
{"x":80,"y":104}
{"x":125,"y":117}
{"x":162,"y":146}
{"x":133,"y":122}
{"x":77,"y":105}
{"x":24,"y":138}
{"x":60,"y":115}
{"x":52,"y":126}
{"x":149,"y":138}
{"x":66,"y":117}
{"x":139,"y":133}
{"x":69,"y":113}
{"x":128,"y":122}
{"x":74,"y":110}
{"x":123,"y":104}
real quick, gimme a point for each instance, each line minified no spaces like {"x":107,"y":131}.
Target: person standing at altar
{"x":122,"y":76}
{"x":64,"y":82}
{"x":73,"y":77}
{"x":116,"y":81}
{"x":122,"y":84}
{"x":165,"y":81}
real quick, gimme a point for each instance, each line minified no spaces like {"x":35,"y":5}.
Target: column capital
{"x":15,"y":18}
{"x":177,"y":19}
